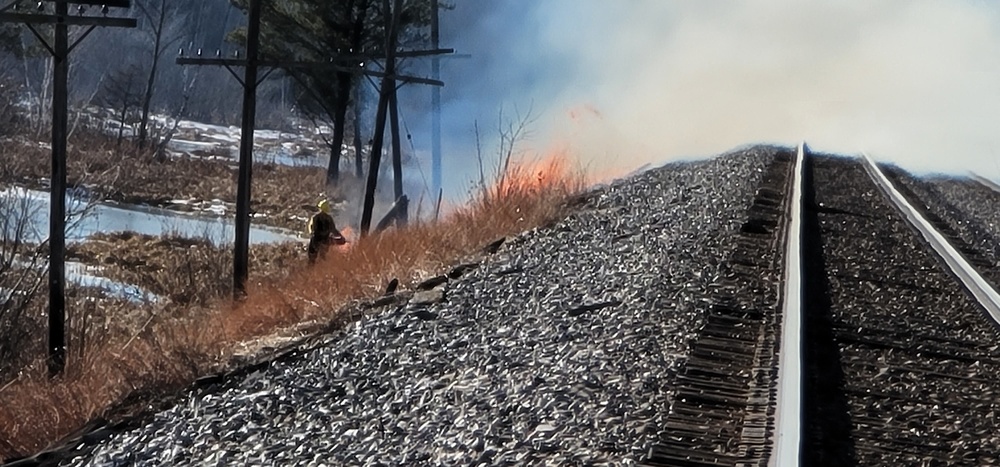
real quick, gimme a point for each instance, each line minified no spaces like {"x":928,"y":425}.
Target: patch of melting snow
{"x":270,"y":134}
{"x":82,"y":274}
{"x":274,"y":146}
{"x":87,"y":276}
{"x":188,"y":145}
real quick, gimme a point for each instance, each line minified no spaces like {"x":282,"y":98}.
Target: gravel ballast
{"x":558,"y":350}
{"x":966,"y":211}
{"x":916,"y":356}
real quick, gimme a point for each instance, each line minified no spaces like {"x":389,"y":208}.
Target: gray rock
{"x":428,"y":297}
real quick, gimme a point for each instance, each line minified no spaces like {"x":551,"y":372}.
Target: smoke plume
{"x":628,"y":82}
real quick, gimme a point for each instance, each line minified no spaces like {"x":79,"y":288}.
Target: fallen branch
{"x":396,"y":213}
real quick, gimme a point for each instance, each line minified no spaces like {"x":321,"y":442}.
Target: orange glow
{"x":349,"y":235}
{"x":526,"y":176}
{"x":594,"y":143}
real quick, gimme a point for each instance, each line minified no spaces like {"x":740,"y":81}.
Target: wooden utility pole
{"x":388,"y":104}
{"x":402,"y":216}
{"x":386,"y":91}
{"x":435,"y":99}
{"x":250,"y":81}
{"x":57,"y":194}
{"x":436,"y":162}
{"x":241,"y":256}
{"x":60,"y":50}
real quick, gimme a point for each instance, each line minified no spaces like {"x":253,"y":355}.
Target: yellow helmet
{"x":324,"y":206}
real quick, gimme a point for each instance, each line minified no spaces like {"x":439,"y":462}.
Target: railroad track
{"x":854,"y":328}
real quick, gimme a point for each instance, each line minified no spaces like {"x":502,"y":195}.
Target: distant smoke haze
{"x":629,"y":82}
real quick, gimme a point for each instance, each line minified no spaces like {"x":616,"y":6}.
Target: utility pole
{"x":436,"y":162}
{"x":241,"y":256}
{"x":403,"y":214}
{"x":60,"y":50}
{"x":57,"y":195}
{"x":251,"y":80}
{"x":435,"y":100}
{"x":386,"y":92}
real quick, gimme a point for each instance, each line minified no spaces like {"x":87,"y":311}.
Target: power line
{"x":353,"y":63}
{"x":413,"y":149}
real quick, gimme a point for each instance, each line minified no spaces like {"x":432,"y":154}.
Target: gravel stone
{"x":557,"y":350}
{"x":917,"y":356}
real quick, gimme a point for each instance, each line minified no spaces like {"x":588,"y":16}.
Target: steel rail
{"x":984,"y":293}
{"x":985,"y":182}
{"x":788,"y":409}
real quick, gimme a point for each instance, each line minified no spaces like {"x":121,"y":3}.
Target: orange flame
{"x":527,"y":176}
{"x":349,"y":235}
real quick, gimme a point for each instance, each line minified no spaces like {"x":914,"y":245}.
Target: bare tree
{"x":24,"y":249}
{"x":163,"y":36}
{"x":511,"y":133}
{"x":8,"y":99}
{"x":43,"y":101}
{"x":84,"y":104}
{"x":23,"y":270}
{"x":120,"y":93}
{"x":166,"y":133}
{"x":34,"y":73}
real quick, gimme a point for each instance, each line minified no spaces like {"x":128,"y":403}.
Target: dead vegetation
{"x":156,"y":349}
{"x":185,"y":271}
{"x":129,"y":175}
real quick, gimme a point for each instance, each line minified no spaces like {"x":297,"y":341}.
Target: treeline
{"x":113,"y":66}
{"x":133,"y":71}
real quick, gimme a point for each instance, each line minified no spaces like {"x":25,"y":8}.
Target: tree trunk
{"x":44,"y":104}
{"x":344,"y":81}
{"x":121,"y":124}
{"x":359,"y":169}
{"x":151,"y":80}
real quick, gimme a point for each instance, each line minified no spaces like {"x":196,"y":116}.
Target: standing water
{"x":85,"y":221}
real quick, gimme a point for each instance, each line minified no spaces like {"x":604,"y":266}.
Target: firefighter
{"x":322,"y":232}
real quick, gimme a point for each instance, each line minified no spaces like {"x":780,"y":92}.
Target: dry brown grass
{"x":180,"y":343}
{"x":129,"y":175}
{"x":187,"y":271}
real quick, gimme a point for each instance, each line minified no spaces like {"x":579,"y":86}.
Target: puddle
{"x":106,"y":218}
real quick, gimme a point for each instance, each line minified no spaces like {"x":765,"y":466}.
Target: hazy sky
{"x":622,"y":83}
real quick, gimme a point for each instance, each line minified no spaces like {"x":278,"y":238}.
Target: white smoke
{"x":623,"y":83}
